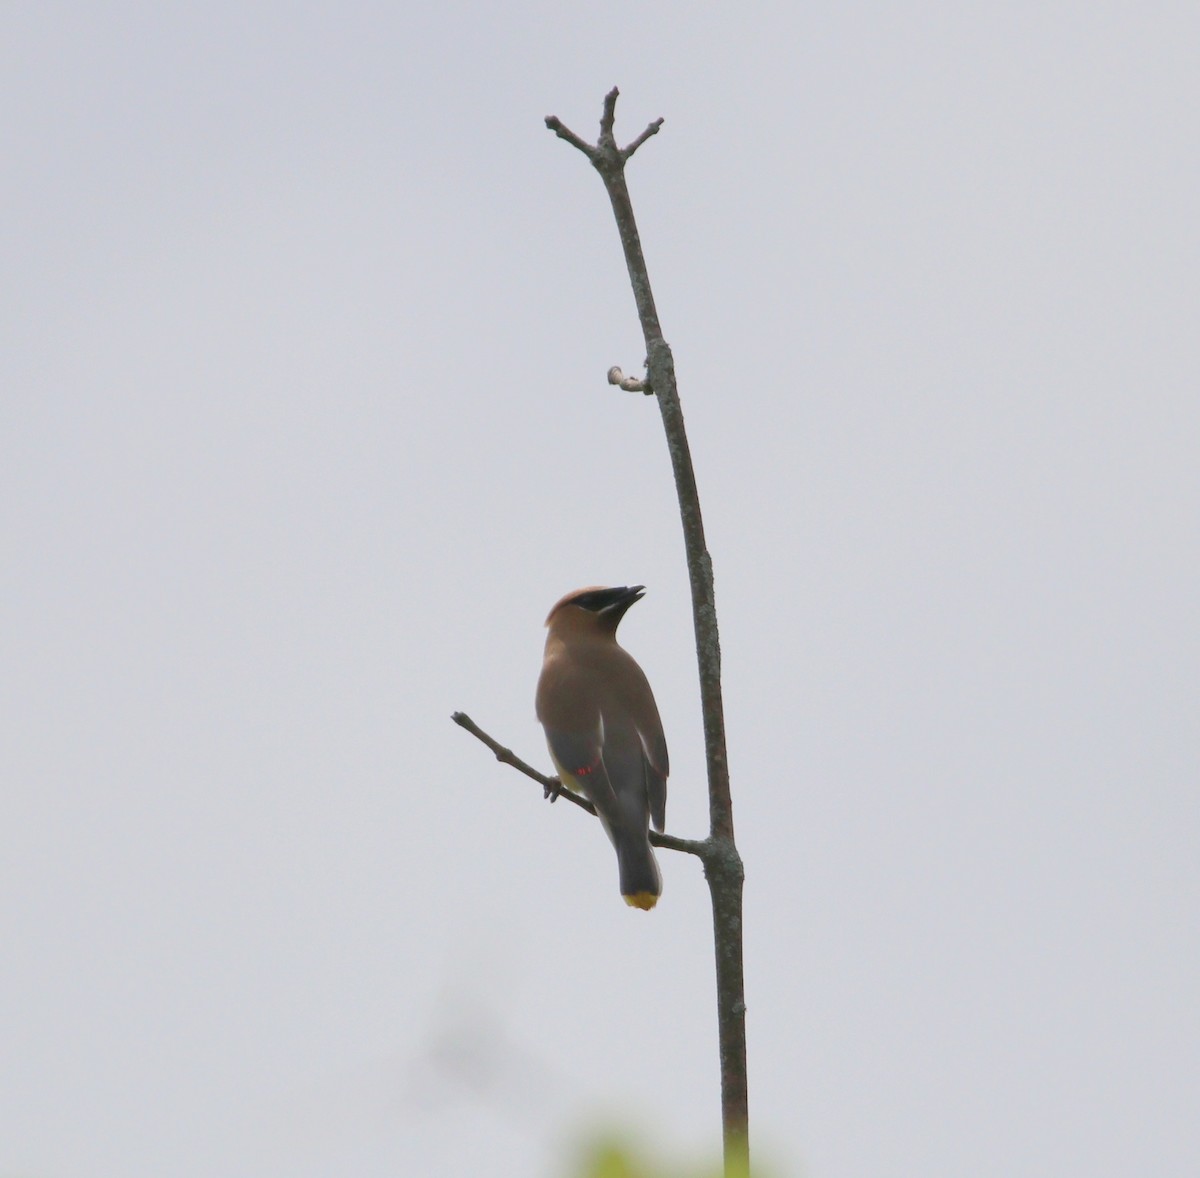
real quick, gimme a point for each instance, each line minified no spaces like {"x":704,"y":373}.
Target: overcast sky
{"x":303,"y":428}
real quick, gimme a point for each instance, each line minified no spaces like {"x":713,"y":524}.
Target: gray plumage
{"x":603,"y":729}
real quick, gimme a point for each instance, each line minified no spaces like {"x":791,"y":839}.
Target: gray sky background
{"x":304,"y":427}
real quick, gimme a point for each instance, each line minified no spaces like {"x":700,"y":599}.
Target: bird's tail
{"x":641,"y":881}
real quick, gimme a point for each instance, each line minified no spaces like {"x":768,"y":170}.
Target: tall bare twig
{"x":722,"y":863}
{"x":718,"y":852}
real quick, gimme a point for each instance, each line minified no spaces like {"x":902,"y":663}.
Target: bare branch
{"x":563,"y":132}
{"x":631,"y":384}
{"x":605,"y":151}
{"x":551,"y":786}
{"x":701,"y":848}
{"x":554,"y":789}
{"x":609,"y":116}
{"x":722,"y":863}
{"x":626,"y":152}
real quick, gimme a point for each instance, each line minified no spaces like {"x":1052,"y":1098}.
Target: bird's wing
{"x":578,"y":755}
{"x":656,"y":792}
{"x":652,"y":751}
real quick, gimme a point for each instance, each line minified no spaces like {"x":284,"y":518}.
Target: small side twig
{"x":607,"y":145}
{"x":626,"y":152}
{"x":556,"y":125}
{"x":608,"y":115}
{"x":631,"y":384}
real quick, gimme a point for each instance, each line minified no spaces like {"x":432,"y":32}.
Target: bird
{"x":603,"y":730}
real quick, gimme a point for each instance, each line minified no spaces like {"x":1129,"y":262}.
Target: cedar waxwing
{"x":603,"y":730}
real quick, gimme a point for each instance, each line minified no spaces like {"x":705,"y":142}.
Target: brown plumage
{"x":603,"y":730}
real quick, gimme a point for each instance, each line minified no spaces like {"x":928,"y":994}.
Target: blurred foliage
{"x":612,"y":1157}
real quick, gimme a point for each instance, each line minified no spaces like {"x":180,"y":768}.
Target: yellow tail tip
{"x":643,"y":900}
